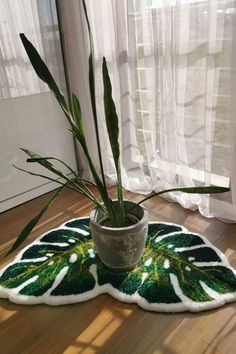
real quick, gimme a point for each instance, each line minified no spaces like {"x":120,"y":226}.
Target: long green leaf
{"x":107,"y":200}
{"x":102,"y":189}
{"x":38,"y":159}
{"x":79,"y":131}
{"x":112,"y":124}
{"x":29,"y":227}
{"x":190,"y":190}
{"x":47,"y":158}
{"x":86,"y":17}
{"x":112,"y":121}
{"x":43,"y":162}
{"x":38,"y":64}
{"x":44,"y":74}
{"x":38,"y":175}
{"x":81,"y":188}
{"x":93,"y":95}
{"x":77,"y":115}
{"x":93,"y":101}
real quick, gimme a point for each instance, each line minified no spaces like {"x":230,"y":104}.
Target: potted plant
{"x":118,"y":227}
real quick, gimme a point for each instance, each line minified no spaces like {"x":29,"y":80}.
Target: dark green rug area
{"x":180,"y":271}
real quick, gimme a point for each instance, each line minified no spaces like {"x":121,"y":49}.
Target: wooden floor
{"x":104,"y":325}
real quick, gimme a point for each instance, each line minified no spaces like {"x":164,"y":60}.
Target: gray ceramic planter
{"x":120,"y":249}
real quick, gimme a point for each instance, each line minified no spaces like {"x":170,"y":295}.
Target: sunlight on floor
{"x":6,"y":315}
{"x":49,"y":220}
{"x":229,"y":252}
{"x":96,"y":335}
{"x":3,"y":250}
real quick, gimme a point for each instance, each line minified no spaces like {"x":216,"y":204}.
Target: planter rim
{"x":107,"y":228}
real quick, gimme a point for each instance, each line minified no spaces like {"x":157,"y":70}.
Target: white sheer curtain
{"x":171,"y":68}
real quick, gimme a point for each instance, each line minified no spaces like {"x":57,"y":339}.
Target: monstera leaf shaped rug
{"x":179,"y":271}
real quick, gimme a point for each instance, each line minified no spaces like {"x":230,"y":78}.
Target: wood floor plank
{"x":104,"y":325}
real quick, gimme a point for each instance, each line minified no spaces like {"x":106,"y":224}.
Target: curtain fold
{"x":171,"y":68}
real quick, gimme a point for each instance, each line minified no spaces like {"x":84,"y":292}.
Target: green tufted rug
{"x":180,"y":271}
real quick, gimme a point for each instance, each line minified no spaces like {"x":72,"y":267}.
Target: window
{"x":182,"y":58}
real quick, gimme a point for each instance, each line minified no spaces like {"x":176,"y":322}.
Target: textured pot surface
{"x":120,"y":249}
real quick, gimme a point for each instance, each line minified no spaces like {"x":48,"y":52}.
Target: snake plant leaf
{"x":112,"y":121}
{"x":78,"y":132}
{"x":78,"y":116}
{"x":100,"y":184}
{"x":92,"y":80}
{"x":45,"y":163}
{"x":38,"y":175}
{"x":44,"y":74}
{"x":38,"y":64}
{"x":86,"y":17}
{"x":112,"y":124}
{"x":47,"y":158}
{"x":179,"y":271}
{"x":92,"y":84}
{"x":189,"y":190}
{"x":29,"y":227}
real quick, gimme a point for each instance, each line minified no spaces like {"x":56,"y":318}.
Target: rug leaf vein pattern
{"x":179,"y":271}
